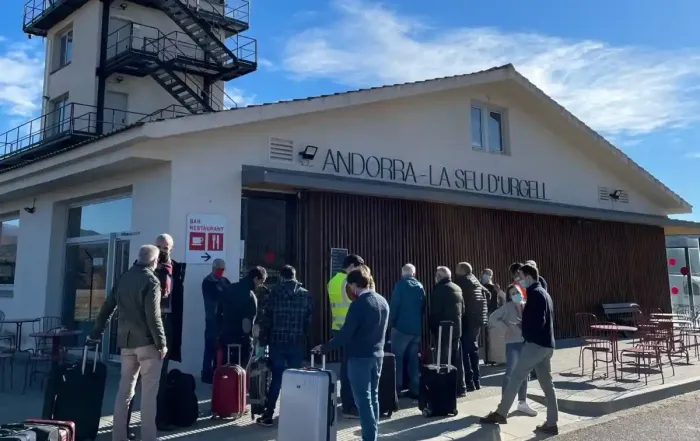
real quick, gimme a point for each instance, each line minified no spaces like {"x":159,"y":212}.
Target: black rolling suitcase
{"x":75,"y":393}
{"x":438,"y":382}
{"x":388,"y":400}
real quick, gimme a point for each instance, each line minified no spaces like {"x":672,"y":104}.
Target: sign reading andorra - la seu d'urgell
{"x":406,"y":172}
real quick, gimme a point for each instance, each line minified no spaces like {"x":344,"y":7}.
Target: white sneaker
{"x":525,"y":408}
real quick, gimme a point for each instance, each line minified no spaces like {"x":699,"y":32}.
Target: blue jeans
{"x":406,"y":347}
{"x":363,"y":374}
{"x":287,"y":356}
{"x":512,"y":357}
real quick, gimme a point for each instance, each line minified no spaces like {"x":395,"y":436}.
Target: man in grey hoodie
{"x":406,"y":323}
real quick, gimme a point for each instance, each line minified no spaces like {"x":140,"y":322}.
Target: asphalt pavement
{"x":674,"y":419}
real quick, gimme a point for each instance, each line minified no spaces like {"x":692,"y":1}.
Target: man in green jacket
{"x":141,"y":338}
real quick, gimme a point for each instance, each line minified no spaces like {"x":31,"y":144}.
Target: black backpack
{"x":182,"y":406}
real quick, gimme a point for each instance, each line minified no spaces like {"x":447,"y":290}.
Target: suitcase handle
{"x":94,"y":363}
{"x":449,"y":348}
{"x":323,"y":361}
{"x":228,"y":353}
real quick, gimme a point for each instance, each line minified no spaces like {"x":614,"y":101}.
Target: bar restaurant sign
{"x":398,"y":170}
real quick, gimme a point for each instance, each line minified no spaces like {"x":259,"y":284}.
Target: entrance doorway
{"x":683,"y":259}
{"x":93,"y":264}
{"x":268,"y":232}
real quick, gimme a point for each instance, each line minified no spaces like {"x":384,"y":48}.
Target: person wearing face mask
{"x":537,"y":327}
{"x":508,"y":319}
{"x":141,"y":338}
{"x":213,"y":287}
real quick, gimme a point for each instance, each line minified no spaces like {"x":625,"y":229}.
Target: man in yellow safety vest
{"x":340,"y":302}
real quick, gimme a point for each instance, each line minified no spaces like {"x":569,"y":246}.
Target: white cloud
{"x":22,"y":78}
{"x":616,"y":90}
{"x":237,"y":98}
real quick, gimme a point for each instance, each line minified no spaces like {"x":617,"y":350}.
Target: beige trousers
{"x":145,"y":360}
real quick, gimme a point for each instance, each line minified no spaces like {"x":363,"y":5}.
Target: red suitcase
{"x":66,"y":429}
{"x":229,"y":390}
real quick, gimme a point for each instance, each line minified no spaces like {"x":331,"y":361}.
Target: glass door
{"x":85,"y":284}
{"x":683,"y":259}
{"x":93,"y":264}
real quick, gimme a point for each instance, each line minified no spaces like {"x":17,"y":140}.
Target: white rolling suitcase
{"x":308,"y":405}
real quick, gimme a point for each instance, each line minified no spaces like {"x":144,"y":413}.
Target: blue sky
{"x":629,"y":69}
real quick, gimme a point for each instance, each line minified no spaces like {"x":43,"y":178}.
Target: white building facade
{"x":490,"y":141}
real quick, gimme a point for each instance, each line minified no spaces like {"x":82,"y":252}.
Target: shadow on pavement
{"x":418,"y":427}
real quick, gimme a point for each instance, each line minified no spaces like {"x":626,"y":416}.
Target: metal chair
{"x":602,"y":345}
{"x":43,"y":350}
{"x":5,"y":335}
{"x":583,"y":321}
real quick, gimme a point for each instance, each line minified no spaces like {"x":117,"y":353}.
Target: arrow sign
{"x":206,"y":257}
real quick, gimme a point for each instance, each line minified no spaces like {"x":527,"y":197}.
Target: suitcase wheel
{"x":456,"y":412}
{"x":215,"y":417}
{"x":426,"y":412}
{"x":389,"y":414}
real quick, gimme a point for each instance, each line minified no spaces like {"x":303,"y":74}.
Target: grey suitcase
{"x":308,"y":404}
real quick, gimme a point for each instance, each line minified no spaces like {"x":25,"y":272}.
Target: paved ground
{"x":405,"y":425}
{"x":673,"y":419}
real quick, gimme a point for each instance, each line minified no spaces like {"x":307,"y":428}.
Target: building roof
{"x":280,"y":109}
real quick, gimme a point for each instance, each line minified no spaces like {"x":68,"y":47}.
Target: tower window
{"x":63,"y":53}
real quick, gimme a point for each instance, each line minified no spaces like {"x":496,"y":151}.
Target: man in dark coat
{"x":447,"y":304}
{"x":213,"y":287}
{"x":475,"y":317}
{"x":238,"y":310}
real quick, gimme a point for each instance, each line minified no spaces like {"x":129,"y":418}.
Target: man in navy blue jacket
{"x":362,"y":336}
{"x":538,"y":333}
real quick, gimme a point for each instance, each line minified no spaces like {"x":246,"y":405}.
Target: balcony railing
{"x":239,"y":11}
{"x":73,"y":119}
{"x":148,"y":39}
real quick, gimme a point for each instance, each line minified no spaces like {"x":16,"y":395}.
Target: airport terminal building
{"x":482,"y":167}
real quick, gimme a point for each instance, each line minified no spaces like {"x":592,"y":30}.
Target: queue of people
{"x":361,"y":319}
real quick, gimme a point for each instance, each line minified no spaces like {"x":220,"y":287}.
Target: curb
{"x":637,"y":398}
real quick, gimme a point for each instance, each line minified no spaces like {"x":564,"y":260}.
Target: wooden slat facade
{"x":585,"y":262}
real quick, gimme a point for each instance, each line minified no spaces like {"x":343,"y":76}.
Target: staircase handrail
{"x":164,"y":55}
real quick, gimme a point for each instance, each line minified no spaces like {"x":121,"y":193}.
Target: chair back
{"x":44,"y":345}
{"x":2,"y":319}
{"x":583,"y":321}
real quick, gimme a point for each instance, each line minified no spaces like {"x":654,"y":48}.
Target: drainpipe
{"x":101,"y":77}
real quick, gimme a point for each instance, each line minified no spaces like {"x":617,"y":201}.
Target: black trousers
{"x":456,"y":360}
{"x":347,"y":400}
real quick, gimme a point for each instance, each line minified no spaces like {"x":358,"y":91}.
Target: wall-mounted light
{"x":615,"y":195}
{"x":32,"y":209}
{"x":309,"y":152}
{"x":123,"y":6}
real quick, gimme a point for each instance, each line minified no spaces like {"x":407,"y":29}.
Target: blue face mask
{"x":524,"y":283}
{"x":518,"y":298}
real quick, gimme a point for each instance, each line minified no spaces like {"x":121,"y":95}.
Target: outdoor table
{"x":55,"y":335}
{"x":665,"y":315}
{"x":18,"y":325}
{"x":673,"y":321}
{"x":614,"y":330}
